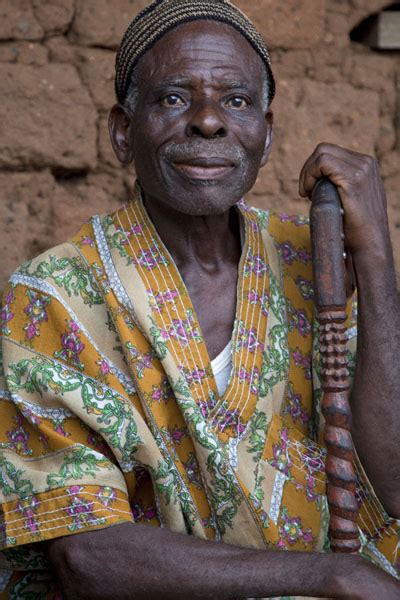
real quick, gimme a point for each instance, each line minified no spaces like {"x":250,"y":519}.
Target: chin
{"x":205,"y":198}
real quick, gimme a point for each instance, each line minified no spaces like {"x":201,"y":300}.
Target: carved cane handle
{"x":326,"y":218}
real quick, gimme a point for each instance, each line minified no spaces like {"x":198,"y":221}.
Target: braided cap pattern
{"x":161,"y":16}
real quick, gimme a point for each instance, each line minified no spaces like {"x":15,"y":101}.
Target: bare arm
{"x":137,"y":561}
{"x":375,"y":397}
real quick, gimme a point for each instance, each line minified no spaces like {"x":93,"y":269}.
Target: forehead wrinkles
{"x":203,"y":46}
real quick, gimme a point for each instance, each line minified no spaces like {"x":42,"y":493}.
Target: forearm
{"x":134,"y":561}
{"x":375,"y":396}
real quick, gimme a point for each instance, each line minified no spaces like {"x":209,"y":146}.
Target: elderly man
{"x":158,"y":389}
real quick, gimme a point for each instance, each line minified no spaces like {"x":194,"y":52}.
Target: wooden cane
{"x":326,"y":218}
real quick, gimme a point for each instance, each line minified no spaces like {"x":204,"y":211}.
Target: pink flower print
{"x":158,"y":300}
{"x":303,"y":324}
{"x":106,"y":496}
{"x":141,"y":512}
{"x":28,"y":508}
{"x":253,"y":297}
{"x":156,"y":394}
{"x":254,"y":226}
{"x":194,"y":377}
{"x":59,"y":429}
{"x":177,"y":435}
{"x":295,"y":408}
{"x":284,"y":218}
{"x":242,"y":374}
{"x":206,"y":406}
{"x":185,"y":330}
{"x":6,"y":313}
{"x":252,"y":377}
{"x":18,"y":438}
{"x":71,"y":346}
{"x":281,"y":460}
{"x":104,"y":369}
{"x":312,"y":458}
{"x":75,"y":489}
{"x":80,"y":510}
{"x":179,"y":331}
{"x":31,"y":330}
{"x":288,"y":253}
{"x":97,"y":442}
{"x":254,"y":264}
{"x":161,"y":393}
{"x":193,"y":471}
{"x":136,"y":229}
{"x":303,"y":361}
{"x":298,"y":320}
{"x":87,"y":241}
{"x":36,"y":312}
{"x":298,"y":220}
{"x":248,"y":339}
{"x":30,"y":416}
{"x":150,"y":259}
{"x":306,"y":288}
{"x":231,"y":419}
{"x":254,"y":381}
{"x":291,"y":531}
{"x":303,"y":255}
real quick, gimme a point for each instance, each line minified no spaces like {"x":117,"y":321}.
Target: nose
{"x":206,"y":121}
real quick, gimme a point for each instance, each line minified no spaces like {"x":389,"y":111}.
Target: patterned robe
{"x":109,"y":411}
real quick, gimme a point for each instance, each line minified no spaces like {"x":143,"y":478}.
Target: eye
{"x":238,"y":103}
{"x":172,"y":100}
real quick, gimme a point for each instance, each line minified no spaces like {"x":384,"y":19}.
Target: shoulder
{"x":63,"y":271}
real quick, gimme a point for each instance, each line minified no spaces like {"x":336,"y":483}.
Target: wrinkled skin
{"x":176,"y":128}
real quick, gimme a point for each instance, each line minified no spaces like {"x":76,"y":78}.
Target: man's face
{"x":199,"y":132}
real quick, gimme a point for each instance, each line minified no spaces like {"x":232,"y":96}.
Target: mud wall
{"x":56,"y":87}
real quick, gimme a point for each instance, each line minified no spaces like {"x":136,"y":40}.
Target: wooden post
{"x":330,"y":298}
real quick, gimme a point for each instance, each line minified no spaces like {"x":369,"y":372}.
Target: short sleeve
{"x":63,"y":418}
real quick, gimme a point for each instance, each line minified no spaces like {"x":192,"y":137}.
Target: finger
{"x":355,"y":159}
{"x":336,"y":169}
{"x":340,"y":152}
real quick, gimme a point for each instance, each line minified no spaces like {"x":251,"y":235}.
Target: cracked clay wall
{"x":56,"y":86}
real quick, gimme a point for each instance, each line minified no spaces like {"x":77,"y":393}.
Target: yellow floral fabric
{"x":109,"y":411}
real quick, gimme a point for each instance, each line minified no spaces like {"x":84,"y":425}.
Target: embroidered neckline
{"x":175,"y":323}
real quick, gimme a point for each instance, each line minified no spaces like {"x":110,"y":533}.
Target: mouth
{"x":204,"y":168}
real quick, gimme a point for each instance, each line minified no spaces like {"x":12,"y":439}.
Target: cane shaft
{"x":330,"y":299}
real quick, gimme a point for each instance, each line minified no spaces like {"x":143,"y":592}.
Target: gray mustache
{"x":190,"y":150}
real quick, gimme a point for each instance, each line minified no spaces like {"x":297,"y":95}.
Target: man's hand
{"x":361,"y":191}
{"x":375,"y":398}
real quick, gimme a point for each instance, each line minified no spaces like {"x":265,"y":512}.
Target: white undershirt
{"x":222,"y":367}
{"x":222,"y":364}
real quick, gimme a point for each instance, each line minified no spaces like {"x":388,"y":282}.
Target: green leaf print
{"x":258,"y":431}
{"x":276,"y":356}
{"x":158,"y":344}
{"x":72,"y":274}
{"x":77,"y":464}
{"x":112,"y":411}
{"x":11,"y":480}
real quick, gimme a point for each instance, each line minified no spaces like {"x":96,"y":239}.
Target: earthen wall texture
{"x":56,"y":87}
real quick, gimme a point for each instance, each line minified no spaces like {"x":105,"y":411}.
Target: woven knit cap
{"x":154,"y":21}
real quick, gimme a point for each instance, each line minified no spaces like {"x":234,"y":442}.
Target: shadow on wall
{"x":380,"y":31}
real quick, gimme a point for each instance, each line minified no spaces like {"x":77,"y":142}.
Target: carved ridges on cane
{"x":332,"y":338}
{"x":342,"y":481}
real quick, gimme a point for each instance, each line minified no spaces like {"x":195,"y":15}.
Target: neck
{"x":205,"y":241}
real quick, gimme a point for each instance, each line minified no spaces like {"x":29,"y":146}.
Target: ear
{"x":269,"y":117}
{"x":119,"y":123}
